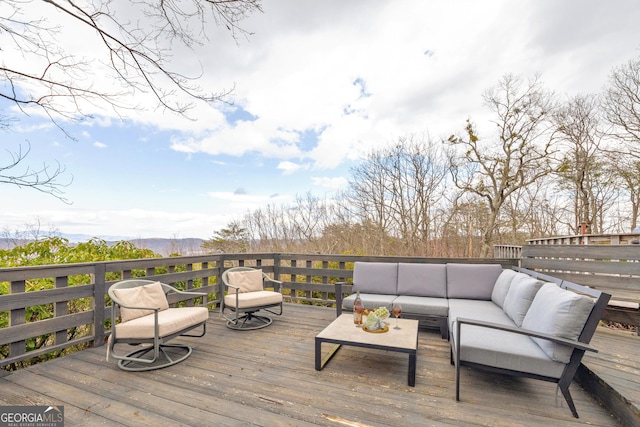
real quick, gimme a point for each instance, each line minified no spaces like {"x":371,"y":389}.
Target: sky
{"x":317,"y":86}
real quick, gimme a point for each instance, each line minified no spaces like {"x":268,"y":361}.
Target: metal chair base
{"x":168,"y":355}
{"x":249,"y":322}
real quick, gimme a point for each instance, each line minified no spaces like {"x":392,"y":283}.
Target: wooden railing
{"x":507,"y":251}
{"x":614,"y":269}
{"x":307,"y":279}
{"x":589,"y":239}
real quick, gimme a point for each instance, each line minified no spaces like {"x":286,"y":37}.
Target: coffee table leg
{"x":321,"y":361}
{"x":412,"y":370}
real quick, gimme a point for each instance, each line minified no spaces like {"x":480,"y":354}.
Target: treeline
{"x":542,"y":165}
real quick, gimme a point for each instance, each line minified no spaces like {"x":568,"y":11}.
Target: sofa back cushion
{"x":500,"y":289}
{"x":376,"y":277}
{"x":472,"y":281}
{"x":521,"y":293}
{"x":422,"y":280}
{"x":559,"y":312}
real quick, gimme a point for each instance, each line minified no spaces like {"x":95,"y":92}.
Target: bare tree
{"x":398,"y":189}
{"x":622,"y":104}
{"x":46,"y":178}
{"x":583,"y":170}
{"x":627,"y":168}
{"x":518,"y":156}
{"x":133,"y":42}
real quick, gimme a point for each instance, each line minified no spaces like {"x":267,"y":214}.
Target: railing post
{"x":276,"y":266}
{"x":99,"y":315}
{"x":61,"y":308}
{"x":17,"y":317}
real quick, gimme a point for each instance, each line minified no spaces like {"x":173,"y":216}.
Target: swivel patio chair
{"x":147,"y":320}
{"x":245,"y":295}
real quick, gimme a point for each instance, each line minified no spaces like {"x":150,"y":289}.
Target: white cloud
{"x":333,"y":183}
{"x":289,"y":168}
{"x":237,"y":203}
{"x":356,"y":74}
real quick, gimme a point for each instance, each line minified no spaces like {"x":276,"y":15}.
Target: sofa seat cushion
{"x":472,"y":281}
{"x":253,"y":299}
{"x":369,"y":301}
{"x":475,"y":309}
{"x":375,"y":277}
{"x":557,"y":312}
{"x":426,"y":306}
{"x":422,"y":280}
{"x":170,"y":321}
{"x":521,"y":293}
{"x":501,"y":349}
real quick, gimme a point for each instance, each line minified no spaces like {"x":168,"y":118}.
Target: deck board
{"x":267,"y":377}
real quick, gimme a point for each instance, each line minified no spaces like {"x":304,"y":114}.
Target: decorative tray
{"x":376,"y":331}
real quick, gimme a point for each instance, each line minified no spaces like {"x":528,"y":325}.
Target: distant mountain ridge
{"x":161,"y":246}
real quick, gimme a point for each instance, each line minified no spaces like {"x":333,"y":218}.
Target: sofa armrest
{"x":338,"y":286}
{"x":514,"y":329}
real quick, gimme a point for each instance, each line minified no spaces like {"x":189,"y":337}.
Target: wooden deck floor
{"x":267,"y":378}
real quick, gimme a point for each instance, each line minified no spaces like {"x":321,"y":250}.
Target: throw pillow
{"x":500,"y":289}
{"x":520,"y":296}
{"x":247,"y":281}
{"x":151,"y":295}
{"x":559,"y":312}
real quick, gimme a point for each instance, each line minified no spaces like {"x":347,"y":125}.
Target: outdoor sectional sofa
{"x":510,"y":321}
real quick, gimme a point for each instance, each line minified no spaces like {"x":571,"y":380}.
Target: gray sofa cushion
{"x":558,"y":312}
{"x":424,"y":280}
{"x":375,"y":277}
{"x":428,"y":306}
{"x":472,"y":281}
{"x":507,"y":350}
{"x":500,"y":289}
{"x":520,"y":296}
{"x":477,"y":309}
{"x":369,"y":301}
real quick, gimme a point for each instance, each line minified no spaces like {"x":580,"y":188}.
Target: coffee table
{"x":342,"y":331}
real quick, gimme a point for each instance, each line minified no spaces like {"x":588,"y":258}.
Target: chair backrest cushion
{"x":247,"y":281}
{"x":500,"y":289}
{"x":422,"y":280}
{"x":521,"y":293}
{"x":559,"y":312}
{"x":376,"y":277}
{"x":151,"y":295}
{"x":472,"y":281}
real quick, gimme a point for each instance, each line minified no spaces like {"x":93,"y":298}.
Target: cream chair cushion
{"x":247,"y":281}
{"x":151,"y":295}
{"x":170,"y":321}
{"x":253,"y":299}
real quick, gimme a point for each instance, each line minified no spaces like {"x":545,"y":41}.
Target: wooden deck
{"x":614,"y":372}
{"x":267,"y":378}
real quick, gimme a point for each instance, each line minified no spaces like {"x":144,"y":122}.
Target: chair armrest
{"x":516,"y":330}
{"x":193,"y":294}
{"x":278,"y":283}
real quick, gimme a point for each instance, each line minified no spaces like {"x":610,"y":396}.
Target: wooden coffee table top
{"x":344,"y":330}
